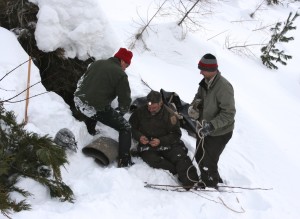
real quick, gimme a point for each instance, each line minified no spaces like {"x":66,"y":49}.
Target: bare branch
{"x":7,"y":100}
{"x":217,"y":35}
{"x":14,"y":69}
{"x":258,"y":7}
{"x":264,"y":27}
{"x":241,"y":49}
{"x":139,"y":35}
{"x":17,"y":101}
{"x":188,"y":12}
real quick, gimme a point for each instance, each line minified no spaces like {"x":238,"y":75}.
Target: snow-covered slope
{"x":263,"y":152}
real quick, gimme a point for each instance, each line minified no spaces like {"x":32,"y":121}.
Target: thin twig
{"x":14,"y":69}
{"x":217,"y":35}
{"x":181,"y":188}
{"x":139,"y":35}
{"x":17,"y":101}
{"x":176,"y":188}
{"x":252,"y":14}
{"x":7,"y":100}
{"x":245,"y":45}
{"x":247,"y":188}
{"x":264,"y":27}
{"x":145,"y":83}
{"x":188,"y":12}
{"x":223,"y":203}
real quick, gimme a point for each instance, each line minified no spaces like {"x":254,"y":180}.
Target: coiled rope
{"x":199,"y":126}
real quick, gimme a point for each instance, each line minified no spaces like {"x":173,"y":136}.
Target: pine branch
{"x":26,"y":154}
{"x":269,"y":52}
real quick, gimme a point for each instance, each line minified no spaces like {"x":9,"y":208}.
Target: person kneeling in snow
{"x":98,"y":87}
{"x":157,"y":129}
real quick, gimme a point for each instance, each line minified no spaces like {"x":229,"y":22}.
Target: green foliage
{"x":269,"y":52}
{"x":25,"y":154}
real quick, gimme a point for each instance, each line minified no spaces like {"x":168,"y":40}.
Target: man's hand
{"x":193,"y":110}
{"x":154,"y":142}
{"x":193,"y":113}
{"x":121,"y":110}
{"x":144,"y":140}
{"x":207,"y":128}
{"x":196,"y":103}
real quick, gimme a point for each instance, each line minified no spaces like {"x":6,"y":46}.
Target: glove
{"x":193,"y":110}
{"x":193,"y":113}
{"x":195,"y":103}
{"x":207,"y":128}
{"x":121,"y":110}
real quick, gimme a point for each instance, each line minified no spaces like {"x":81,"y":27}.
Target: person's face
{"x":124,"y":65}
{"x":154,"y":108}
{"x":208,"y":74}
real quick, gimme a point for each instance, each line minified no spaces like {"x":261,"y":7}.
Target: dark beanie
{"x":125,"y":55}
{"x":208,"y":63}
{"x":153,"y":97}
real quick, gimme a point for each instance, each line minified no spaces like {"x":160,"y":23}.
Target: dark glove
{"x":207,"y":128}
{"x":121,"y":110}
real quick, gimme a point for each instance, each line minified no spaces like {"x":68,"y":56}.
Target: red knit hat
{"x":208,"y":63}
{"x":125,"y":55}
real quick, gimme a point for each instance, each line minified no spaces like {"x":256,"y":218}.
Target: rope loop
{"x":199,"y":126}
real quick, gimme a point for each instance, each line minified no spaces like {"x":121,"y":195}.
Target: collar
{"x":158,"y":114}
{"x":209,"y":84}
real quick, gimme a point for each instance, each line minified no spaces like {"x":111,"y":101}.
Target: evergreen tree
{"x":25,"y":154}
{"x":269,"y":52}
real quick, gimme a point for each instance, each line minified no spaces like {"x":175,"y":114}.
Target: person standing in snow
{"x":98,"y":87}
{"x":214,"y":109}
{"x":156,"y":127}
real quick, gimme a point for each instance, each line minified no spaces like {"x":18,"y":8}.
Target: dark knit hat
{"x":125,"y":55}
{"x":208,"y":63}
{"x":153,"y":97}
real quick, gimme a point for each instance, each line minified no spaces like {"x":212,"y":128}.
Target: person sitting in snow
{"x":98,"y":87}
{"x":213,"y":107}
{"x":157,"y":129}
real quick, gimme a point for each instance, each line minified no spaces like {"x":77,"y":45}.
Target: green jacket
{"x":102,"y":83}
{"x":217,"y":104}
{"x":164,"y":125}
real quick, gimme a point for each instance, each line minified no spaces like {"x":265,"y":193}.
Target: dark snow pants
{"x":174,"y":160}
{"x":213,"y":147}
{"x":115,"y":120}
{"x":90,"y":125}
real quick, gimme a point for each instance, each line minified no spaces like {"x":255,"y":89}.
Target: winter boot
{"x":125,"y":162}
{"x":91,"y":126}
{"x":201,"y":185}
{"x":208,"y":179}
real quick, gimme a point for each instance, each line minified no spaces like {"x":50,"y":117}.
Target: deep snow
{"x":262,"y":153}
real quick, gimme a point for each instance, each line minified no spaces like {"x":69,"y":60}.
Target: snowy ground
{"x":263,"y":152}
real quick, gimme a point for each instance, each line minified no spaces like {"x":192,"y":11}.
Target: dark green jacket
{"x":102,"y":83}
{"x":217,"y":104}
{"x":164,"y":125}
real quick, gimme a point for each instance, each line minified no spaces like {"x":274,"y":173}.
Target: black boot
{"x":91,"y":126}
{"x":201,"y":185}
{"x":208,"y":179}
{"x":125,"y":162}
